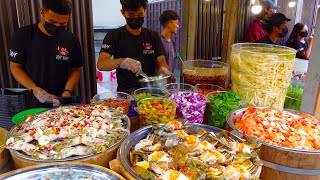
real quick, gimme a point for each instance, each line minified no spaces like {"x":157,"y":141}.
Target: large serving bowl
{"x":155,"y":81}
{"x":281,"y":162}
{"x":142,"y":133}
{"x":22,"y":160}
{"x":60,"y":171}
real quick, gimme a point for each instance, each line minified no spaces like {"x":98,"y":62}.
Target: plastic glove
{"x":43,"y":96}
{"x":165,"y":71}
{"x":131,"y":65}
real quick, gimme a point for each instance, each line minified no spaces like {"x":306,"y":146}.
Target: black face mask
{"x":284,"y":32}
{"x":53,"y":29}
{"x":304,"y":34}
{"x":135,"y":23}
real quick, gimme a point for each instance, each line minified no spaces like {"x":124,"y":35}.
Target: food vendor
{"x":45,"y":57}
{"x":133,"y":48}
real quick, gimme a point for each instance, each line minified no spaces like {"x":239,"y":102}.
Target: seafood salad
{"x":283,"y":128}
{"x":182,"y":151}
{"x":68,"y":131}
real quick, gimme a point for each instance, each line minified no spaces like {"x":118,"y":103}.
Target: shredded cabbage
{"x":262,"y":74}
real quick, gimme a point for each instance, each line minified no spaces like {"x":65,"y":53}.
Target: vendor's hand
{"x":43,"y":96}
{"x":131,"y":65}
{"x":165,"y":71}
{"x":66,"y":94}
{"x":310,"y":39}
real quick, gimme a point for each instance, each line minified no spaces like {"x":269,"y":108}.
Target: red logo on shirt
{"x":147,"y":46}
{"x":63,"y":51}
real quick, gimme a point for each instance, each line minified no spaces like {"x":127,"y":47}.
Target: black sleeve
{"x":159,"y":49}
{"x":17,"y":47}
{"x":108,"y":44}
{"x":76,"y":58}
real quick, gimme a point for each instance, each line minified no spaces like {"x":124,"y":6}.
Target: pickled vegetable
{"x":155,"y":110}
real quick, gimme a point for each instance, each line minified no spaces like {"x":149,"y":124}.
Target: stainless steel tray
{"x":61,"y":171}
{"x":231,"y":118}
{"x":142,"y":133}
{"x":125,"y":120}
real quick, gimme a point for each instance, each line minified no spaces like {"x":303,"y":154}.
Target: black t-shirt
{"x":266,"y":40}
{"x":48,"y":60}
{"x":300,"y":47}
{"x":145,"y":48}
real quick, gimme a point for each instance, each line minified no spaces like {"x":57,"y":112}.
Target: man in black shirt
{"x":134,"y":49}
{"x":276,"y":27}
{"x":46,"y":58}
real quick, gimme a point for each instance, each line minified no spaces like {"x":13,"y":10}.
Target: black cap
{"x":268,"y":4}
{"x":277,"y":19}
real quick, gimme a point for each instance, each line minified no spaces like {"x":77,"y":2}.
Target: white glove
{"x":43,"y":96}
{"x":131,"y":65}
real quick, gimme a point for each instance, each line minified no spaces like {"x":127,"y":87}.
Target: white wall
{"x":107,"y":13}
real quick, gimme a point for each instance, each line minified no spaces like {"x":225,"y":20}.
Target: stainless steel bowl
{"x":231,"y":119}
{"x":155,"y":81}
{"x":125,"y":120}
{"x":61,"y":171}
{"x":142,"y":133}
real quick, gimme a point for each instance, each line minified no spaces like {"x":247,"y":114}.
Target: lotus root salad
{"x":181,"y":151}
{"x":68,"y":131}
{"x":282,"y":128}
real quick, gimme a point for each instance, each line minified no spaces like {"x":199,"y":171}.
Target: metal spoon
{"x":144,"y":75}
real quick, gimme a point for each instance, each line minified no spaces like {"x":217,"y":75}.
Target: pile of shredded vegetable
{"x":261,"y":74}
{"x":253,"y":97}
{"x":283,"y":128}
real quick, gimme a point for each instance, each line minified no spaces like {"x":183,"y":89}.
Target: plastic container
{"x":205,"y":89}
{"x":179,"y":87}
{"x":114,"y":100}
{"x":294,"y":97}
{"x":267,"y":82}
{"x":148,"y":92}
{"x":219,"y":109}
{"x":155,"y":110}
{"x":260,"y":97}
{"x":206,"y":72}
{"x":261,"y":73}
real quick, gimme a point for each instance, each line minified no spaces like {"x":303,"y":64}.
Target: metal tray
{"x":231,"y":118}
{"x":125,"y":120}
{"x":142,"y":133}
{"x":61,"y":171}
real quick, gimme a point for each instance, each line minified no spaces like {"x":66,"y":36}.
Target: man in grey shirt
{"x":169,"y":20}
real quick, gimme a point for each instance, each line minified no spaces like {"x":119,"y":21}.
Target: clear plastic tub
{"x":155,"y":110}
{"x":206,"y":72}
{"x":114,"y":100}
{"x":205,"y":89}
{"x":261,"y":73}
{"x":256,"y":97}
{"x":149,"y":92}
{"x":179,"y":87}
{"x":262,"y":59}
{"x":264,"y":82}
